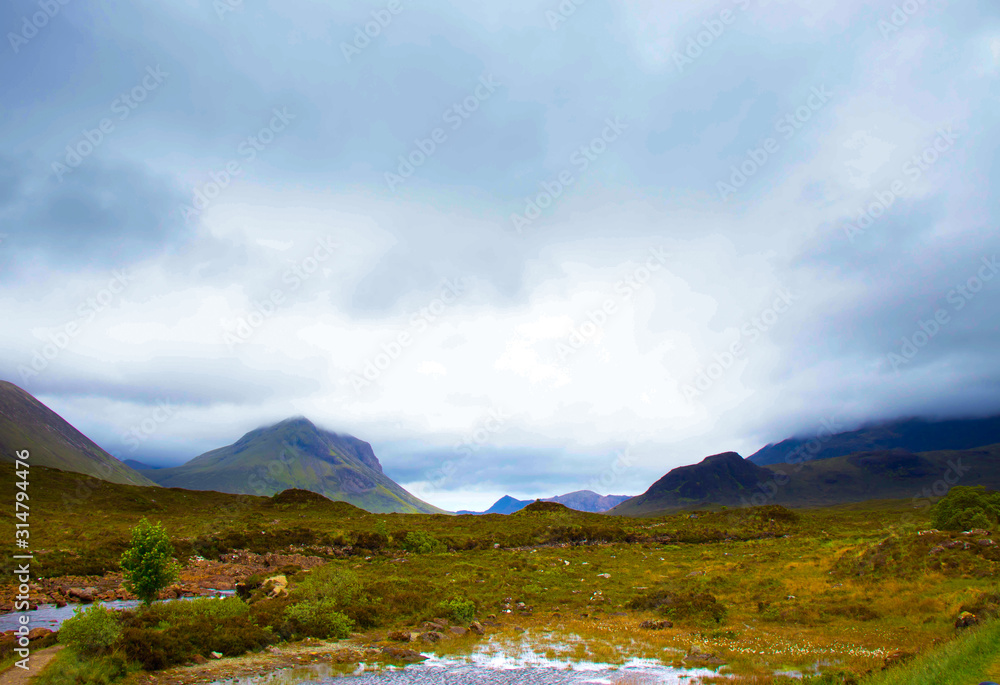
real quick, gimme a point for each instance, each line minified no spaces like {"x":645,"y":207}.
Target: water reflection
{"x":50,"y":616}
{"x":485,"y":670}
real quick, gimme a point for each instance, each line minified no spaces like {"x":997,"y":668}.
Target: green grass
{"x":68,"y":668}
{"x":964,"y":661}
{"x":845,"y":584}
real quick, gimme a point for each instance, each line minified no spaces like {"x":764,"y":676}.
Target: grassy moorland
{"x":851,"y":588}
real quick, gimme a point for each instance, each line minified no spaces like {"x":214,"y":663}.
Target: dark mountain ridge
{"x":914,"y":435}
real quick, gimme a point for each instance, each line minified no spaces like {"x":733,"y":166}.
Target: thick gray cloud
{"x":816,"y":180}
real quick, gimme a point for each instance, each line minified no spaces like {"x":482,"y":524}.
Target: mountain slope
{"x":588,"y":500}
{"x":27,"y":424}
{"x":581,"y":500}
{"x":296,"y":454}
{"x":914,"y":435}
{"x":719,"y":479}
{"x":728,"y":480}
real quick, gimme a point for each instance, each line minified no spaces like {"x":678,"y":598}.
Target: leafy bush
{"x":967,"y":507}
{"x":91,"y":631}
{"x":171,"y":633}
{"x":148,"y":564}
{"x":697,"y":606}
{"x":459,"y":610}
{"x":318,"y":618}
{"x":330,"y":582}
{"x":420,"y":542}
{"x":370,"y":541}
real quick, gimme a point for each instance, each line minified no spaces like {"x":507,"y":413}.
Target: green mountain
{"x":27,"y":424}
{"x":913,"y":435}
{"x":295,"y":454}
{"x":729,"y":480}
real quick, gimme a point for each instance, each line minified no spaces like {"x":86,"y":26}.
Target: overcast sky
{"x":514,"y":245}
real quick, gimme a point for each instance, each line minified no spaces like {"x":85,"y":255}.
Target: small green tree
{"x":967,"y":507}
{"x":148,"y":564}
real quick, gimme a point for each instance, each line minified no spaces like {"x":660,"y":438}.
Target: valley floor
{"x":847,"y":590}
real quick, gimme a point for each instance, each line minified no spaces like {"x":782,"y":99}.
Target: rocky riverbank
{"x":198,"y":578}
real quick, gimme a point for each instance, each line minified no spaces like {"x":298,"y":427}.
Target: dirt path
{"x":39,"y":660}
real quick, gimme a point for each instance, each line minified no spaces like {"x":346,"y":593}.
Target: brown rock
{"x":36,"y":633}
{"x":656,"y":625}
{"x":199,"y":659}
{"x":403,"y":654}
{"x":399,"y":636}
{"x":82,"y":594}
{"x":431,"y":636}
{"x":476,"y":628}
{"x":458,"y":630}
{"x":966,"y":620}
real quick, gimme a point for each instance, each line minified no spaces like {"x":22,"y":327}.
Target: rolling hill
{"x":295,"y":454}
{"x":914,"y":435}
{"x":27,"y":424}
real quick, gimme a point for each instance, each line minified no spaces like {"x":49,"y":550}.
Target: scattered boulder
{"x":932,"y":531}
{"x":976,"y":532}
{"x":476,"y":628}
{"x":966,"y":620}
{"x":199,"y":659}
{"x":403,"y":654}
{"x":276,"y":586}
{"x":431,"y":636}
{"x":215,"y":655}
{"x":37,"y":633}
{"x":82,"y":594}
{"x":458,"y":630}
{"x":656,"y":625}
{"x":399,"y":636}
{"x":986,"y":543}
{"x":935,"y":550}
